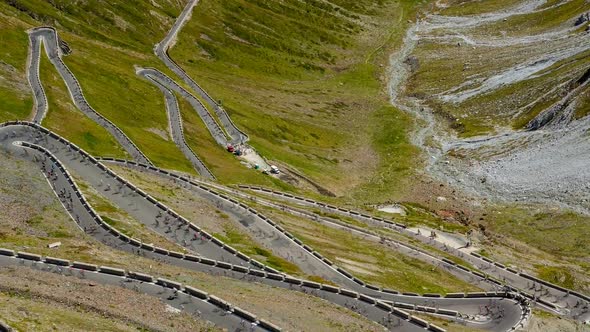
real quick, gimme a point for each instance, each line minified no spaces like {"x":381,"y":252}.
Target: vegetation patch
{"x":371,"y":261}
{"x":309,"y":94}
{"x":557,"y":275}
{"x":243,"y":242}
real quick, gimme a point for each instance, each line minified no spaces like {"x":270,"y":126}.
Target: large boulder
{"x":582,"y":19}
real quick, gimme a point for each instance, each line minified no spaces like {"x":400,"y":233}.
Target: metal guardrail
{"x":201,"y":167}
{"x":343,"y":272}
{"x":273,"y":273}
{"x":197,"y":294}
{"x":123,"y":139}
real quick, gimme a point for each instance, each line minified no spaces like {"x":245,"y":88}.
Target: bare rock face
{"x":65,"y":48}
{"x":560,"y":114}
{"x":582,"y":19}
{"x":584,"y":78}
{"x":5,"y":327}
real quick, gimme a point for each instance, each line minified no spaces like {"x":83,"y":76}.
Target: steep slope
{"x":103,"y":58}
{"x":35,"y":224}
{"x":502,"y":91}
{"x":304,"y":81}
{"x":520,"y":82}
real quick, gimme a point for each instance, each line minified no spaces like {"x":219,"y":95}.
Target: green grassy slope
{"x":225,"y":166}
{"x":108,"y":78}
{"x":129,"y":24}
{"x":304,"y":81}
{"x":551,"y":242}
{"x":373,"y":263}
{"x":61,"y":113}
{"x":103,"y":60}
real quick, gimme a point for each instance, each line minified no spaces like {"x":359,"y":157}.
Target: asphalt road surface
{"x":506,"y":312}
{"x":161,"y":51}
{"x":551,"y":297}
{"x":48,"y":36}
{"x":176,"y":129}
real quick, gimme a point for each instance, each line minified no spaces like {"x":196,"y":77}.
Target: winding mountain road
{"x":185,"y":298}
{"x":33,"y":65}
{"x":162,"y":79}
{"x":298,"y":250}
{"x":14,"y":137}
{"x":48,"y":37}
{"x":177,"y":229}
{"x":161,"y":51}
{"x":553,"y":297}
{"x":506,"y":309}
{"x":175,"y":125}
{"x":145,"y":209}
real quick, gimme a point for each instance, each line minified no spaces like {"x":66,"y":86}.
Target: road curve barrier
{"x":403,"y":229}
{"x":214,"y":129}
{"x":203,"y":186}
{"x":161,"y":51}
{"x":149,"y":198}
{"x":63,"y":266}
{"x":177,"y":129}
{"x":33,"y":64}
{"x":77,"y":95}
{"x":269,"y":275}
{"x":126,"y":239}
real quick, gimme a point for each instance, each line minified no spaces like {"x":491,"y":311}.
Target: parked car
{"x":274,"y":169}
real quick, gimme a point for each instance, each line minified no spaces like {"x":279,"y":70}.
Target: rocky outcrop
{"x":582,"y":19}
{"x":584,"y":78}
{"x":561,"y":113}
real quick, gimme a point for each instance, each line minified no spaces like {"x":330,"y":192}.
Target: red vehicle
{"x":230,"y":148}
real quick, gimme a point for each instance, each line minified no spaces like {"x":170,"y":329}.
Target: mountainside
{"x":516,"y":102}
{"x":299,"y":87}
{"x":299,"y":165}
{"x":501,"y":92}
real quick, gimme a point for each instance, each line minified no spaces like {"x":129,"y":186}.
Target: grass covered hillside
{"x":369,"y":108}
{"x":306,"y":82}
{"x":103,"y":60}
{"x":129,"y":28}
{"x":304,"y":79}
